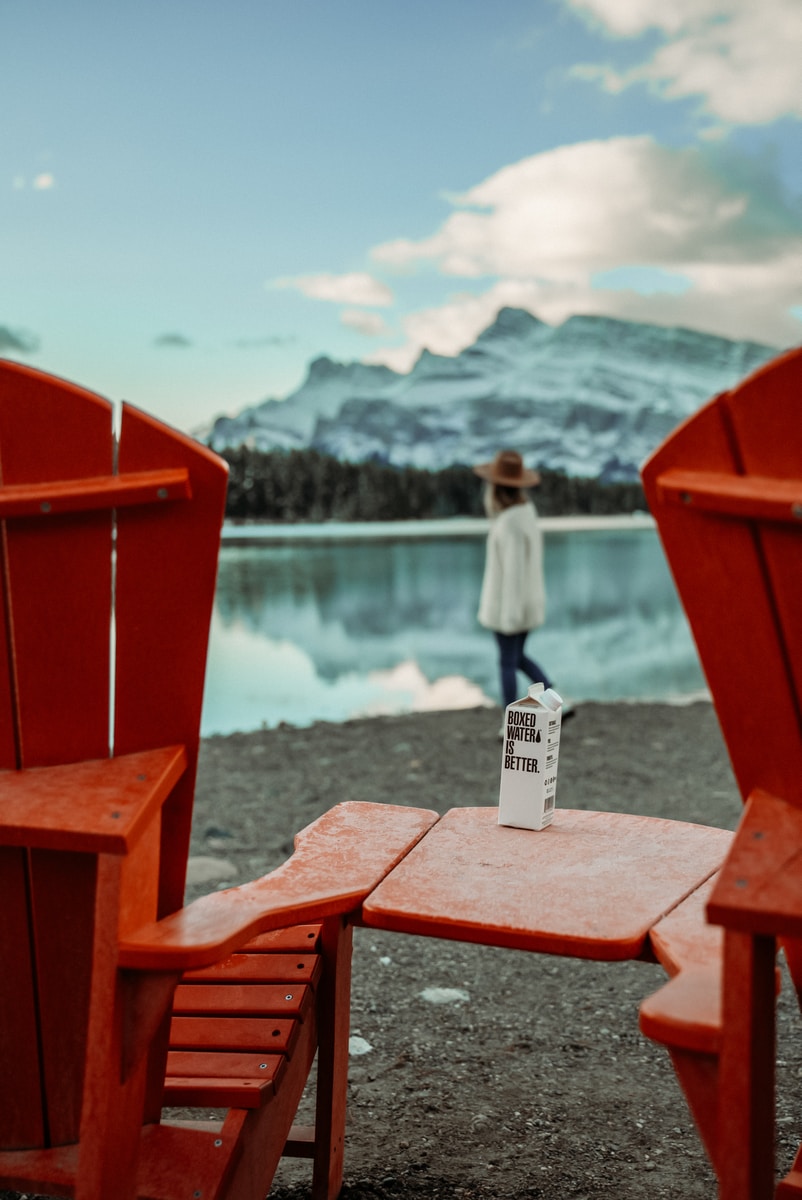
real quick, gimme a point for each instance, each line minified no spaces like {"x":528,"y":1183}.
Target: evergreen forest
{"x":304,"y":485}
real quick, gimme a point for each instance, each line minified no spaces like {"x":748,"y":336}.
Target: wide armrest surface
{"x":590,"y":885}
{"x":338,"y":861}
{"x":96,"y":807}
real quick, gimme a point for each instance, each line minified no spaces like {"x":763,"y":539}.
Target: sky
{"x":198,"y":199}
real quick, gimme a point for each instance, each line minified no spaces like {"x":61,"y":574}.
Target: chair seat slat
{"x":230,"y":999}
{"x":221,"y":1080}
{"x":260,"y":968}
{"x":303,"y":938}
{"x":276,"y":1035}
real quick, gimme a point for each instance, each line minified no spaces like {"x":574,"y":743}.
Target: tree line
{"x":305,"y":485}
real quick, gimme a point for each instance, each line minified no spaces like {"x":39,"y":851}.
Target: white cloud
{"x":405,"y":688}
{"x":739,"y":56}
{"x":629,"y":18}
{"x":357,"y":287}
{"x":44,"y":182}
{"x":370,"y":323}
{"x":589,"y":207}
{"x":540,"y":230}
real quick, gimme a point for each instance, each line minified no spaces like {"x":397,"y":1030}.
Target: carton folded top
{"x":546,"y":697}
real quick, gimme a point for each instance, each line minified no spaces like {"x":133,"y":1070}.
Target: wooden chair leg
{"x":698,"y":1076}
{"x":334,"y":1007}
{"x":746,"y":1103}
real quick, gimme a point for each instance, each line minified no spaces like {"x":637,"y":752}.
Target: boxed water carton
{"x":529,"y":760}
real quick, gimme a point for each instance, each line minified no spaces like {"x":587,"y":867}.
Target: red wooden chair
{"x":108,"y":550}
{"x":726,"y":491}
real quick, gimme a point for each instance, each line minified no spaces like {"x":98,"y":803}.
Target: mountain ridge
{"x":592,"y":396}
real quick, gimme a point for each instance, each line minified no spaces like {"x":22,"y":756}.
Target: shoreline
{"x":263,"y":533}
{"x":671,"y":700}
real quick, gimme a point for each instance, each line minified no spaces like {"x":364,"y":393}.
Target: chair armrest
{"x":338,"y":861}
{"x":101,"y":806}
{"x":759,"y":889}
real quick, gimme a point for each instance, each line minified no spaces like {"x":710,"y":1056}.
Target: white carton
{"x":529,"y":760}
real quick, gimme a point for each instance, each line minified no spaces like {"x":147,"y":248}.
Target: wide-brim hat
{"x":508,"y":469}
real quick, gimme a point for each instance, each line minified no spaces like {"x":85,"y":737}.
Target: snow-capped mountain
{"x":592,"y":397}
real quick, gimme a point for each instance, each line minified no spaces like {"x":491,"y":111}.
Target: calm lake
{"x":309,"y":630}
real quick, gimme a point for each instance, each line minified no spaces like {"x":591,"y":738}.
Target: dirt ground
{"x":477,"y":1073}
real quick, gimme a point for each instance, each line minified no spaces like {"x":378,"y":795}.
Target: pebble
{"x":436,"y":995}
{"x":358,"y":1045}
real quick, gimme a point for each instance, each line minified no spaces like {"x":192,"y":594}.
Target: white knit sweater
{"x":513,"y":597}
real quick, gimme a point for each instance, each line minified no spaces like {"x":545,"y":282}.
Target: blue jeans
{"x":511,"y":660}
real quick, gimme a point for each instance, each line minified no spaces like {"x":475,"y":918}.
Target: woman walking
{"x":513,"y":597}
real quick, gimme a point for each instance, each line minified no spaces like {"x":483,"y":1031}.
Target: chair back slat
{"x":739,"y":578}
{"x":8,"y":742}
{"x":166,"y":574}
{"x":766,"y":416}
{"x":57,"y":575}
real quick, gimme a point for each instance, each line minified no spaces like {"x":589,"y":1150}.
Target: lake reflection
{"x":327,"y":632}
